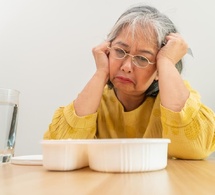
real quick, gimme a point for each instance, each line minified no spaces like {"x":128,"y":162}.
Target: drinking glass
{"x":9,"y":103}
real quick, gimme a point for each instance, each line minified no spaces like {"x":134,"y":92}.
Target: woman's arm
{"x":89,"y":99}
{"x":78,"y":119}
{"x":191,"y":131}
{"x":173,"y":92}
{"x":67,"y":125}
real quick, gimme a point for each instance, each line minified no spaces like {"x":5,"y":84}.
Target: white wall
{"x":45,"y":52}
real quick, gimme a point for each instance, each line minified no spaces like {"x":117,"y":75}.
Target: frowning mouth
{"x":123,"y":79}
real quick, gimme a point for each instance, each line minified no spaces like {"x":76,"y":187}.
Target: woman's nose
{"x":127,"y":65}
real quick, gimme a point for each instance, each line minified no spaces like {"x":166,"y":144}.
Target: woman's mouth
{"x":123,"y":79}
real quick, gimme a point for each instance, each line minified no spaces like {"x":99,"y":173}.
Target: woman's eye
{"x":119,"y":52}
{"x":141,"y":58}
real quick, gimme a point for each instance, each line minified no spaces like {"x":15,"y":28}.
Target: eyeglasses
{"x":138,"y":60}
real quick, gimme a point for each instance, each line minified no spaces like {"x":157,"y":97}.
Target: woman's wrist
{"x":102,"y":75}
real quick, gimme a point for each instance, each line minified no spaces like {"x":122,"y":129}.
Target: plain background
{"x":45,"y":52}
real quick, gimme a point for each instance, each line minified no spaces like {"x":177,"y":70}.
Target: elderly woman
{"x":137,"y":90}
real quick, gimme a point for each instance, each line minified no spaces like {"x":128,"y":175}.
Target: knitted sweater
{"x":191,"y":131}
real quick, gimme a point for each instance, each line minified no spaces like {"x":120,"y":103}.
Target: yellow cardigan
{"x":191,"y":131}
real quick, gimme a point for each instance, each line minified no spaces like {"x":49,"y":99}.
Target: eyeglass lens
{"x":119,"y":53}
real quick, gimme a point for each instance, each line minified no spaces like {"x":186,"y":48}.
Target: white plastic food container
{"x":106,"y":155}
{"x":128,"y":155}
{"x":64,"y":155}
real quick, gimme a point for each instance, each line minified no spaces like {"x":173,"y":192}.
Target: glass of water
{"x":9,"y":103}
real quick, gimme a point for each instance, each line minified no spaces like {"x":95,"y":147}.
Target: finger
{"x":176,"y":40}
{"x":102,"y":48}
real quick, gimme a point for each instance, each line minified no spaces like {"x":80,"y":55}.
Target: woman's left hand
{"x":174,"y":49}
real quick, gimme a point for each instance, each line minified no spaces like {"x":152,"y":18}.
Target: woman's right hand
{"x":100,"y":54}
{"x":89,"y":99}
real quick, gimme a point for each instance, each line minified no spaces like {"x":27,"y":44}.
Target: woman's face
{"x":124,"y":75}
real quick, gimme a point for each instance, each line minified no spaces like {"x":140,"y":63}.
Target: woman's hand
{"x":100,"y":54}
{"x":173,"y":50}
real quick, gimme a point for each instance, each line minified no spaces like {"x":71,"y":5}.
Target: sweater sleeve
{"x":191,"y":131}
{"x":67,"y":125}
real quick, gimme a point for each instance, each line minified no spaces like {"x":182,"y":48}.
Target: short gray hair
{"x":145,"y":17}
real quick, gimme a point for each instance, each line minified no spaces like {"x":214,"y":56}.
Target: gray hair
{"x":148,"y":18}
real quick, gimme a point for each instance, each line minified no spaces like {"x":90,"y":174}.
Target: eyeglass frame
{"x":132,"y":57}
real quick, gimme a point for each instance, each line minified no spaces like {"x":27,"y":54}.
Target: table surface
{"x":179,"y":177}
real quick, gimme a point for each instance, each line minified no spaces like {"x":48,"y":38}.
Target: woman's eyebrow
{"x":139,"y":51}
{"x":147,"y":51}
{"x":122,"y":44}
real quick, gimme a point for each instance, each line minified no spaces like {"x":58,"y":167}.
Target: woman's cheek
{"x":113,"y":68}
